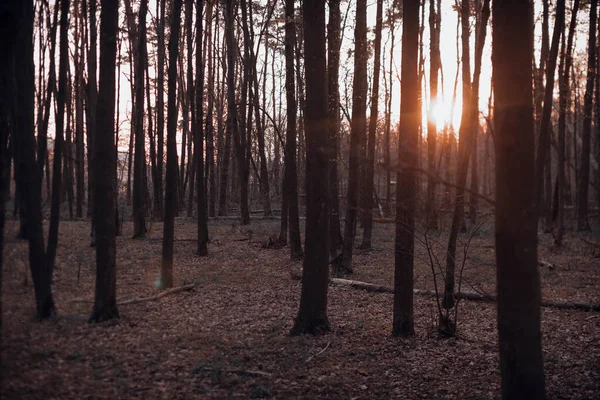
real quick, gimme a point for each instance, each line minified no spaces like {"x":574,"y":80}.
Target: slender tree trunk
{"x":373,"y":119}
{"x":334,"y":41}
{"x":166,"y":280}
{"x":516,"y":208}
{"x":434,"y":67}
{"x":19,"y":27}
{"x":210,"y":146}
{"x":312,"y":315}
{"x":79,"y":95}
{"x":357,"y":131}
{"x":543,"y":145}
{"x":199,"y":137}
{"x":105,"y":163}
{"x":388,"y":127}
{"x":447,"y":326}
{"x":564,"y":94}
{"x":290,"y":181}
{"x":403,"y":319}
{"x":160,"y":113}
{"x":139,"y":202}
{"x":58,"y":141}
{"x":583,"y":223}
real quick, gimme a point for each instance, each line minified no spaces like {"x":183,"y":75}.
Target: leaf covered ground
{"x":228,"y":337}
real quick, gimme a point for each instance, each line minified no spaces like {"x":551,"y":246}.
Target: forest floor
{"x":228,"y":337}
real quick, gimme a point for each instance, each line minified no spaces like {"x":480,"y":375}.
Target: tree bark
{"x":105,"y":163}
{"x":403,"y":319}
{"x":583,"y":223}
{"x":166,"y":280}
{"x":334,"y":42}
{"x":312,"y":315}
{"x":358,"y":129}
{"x":516,"y":208}
{"x":139,"y":202}
{"x":543,"y":145}
{"x":198,"y":135}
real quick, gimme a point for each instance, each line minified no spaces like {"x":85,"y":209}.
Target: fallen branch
{"x":237,"y":371}
{"x":318,"y":354}
{"x":145,"y":299}
{"x":159,"y":296}
{"x":488,"y":298}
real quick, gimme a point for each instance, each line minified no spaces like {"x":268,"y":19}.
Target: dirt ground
{"x":228,"y":337}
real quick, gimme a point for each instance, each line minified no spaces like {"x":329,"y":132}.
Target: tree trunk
{"x":564,"y":94}
{"x":447,"y":326}
{"x":198,"y":135}
{"x":434,"y":67}
{"x":210,"y":146}
{"x":104,"y":148}
{"x":58,"y":142}
{"x":403,"y":319}
{"x":79,"y":95}
{"x":583,"y":223}
{"x":357,"y":131}
{"x":21,"y":70}
{"x":516,"y":208}
{"x":373,"y":119}
{"x":543,"y":145}
{"x":312,"y":315}
{"x":334,"y":42}
{"x":139,"y":202}
{"x":166,"y":280}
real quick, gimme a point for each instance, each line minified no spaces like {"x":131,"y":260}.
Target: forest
{"x":315,"y":199}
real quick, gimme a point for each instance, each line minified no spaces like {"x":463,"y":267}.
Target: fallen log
{"x":463,"y":295}
{"x":145,"y":299}
{"x":158,"y":296}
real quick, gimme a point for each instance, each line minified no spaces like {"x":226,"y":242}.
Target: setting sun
{"x":444,"y":113}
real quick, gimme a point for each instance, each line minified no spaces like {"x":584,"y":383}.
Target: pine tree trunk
{"x":516,"y":208}
{"x":373,"y":119}
{"x":104,"y":160}
{"x":312,"y":315}
{"x":198,"y":134}
{"x":583,"y":223}
{"x":357,"y":132}
{"x":166,"y":280}
{"x":334,"y":40}
{"x":403,"y":319}
{"x":290,"y":181}
{"x":20,"y":17}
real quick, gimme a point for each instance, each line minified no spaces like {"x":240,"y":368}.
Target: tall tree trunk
{"x":334,"y":41}
{"x":226,"y":143}
{"x":160,"y":113}
{"x":312,"y":315}
{"x":564,"y":95}
{"x":447,"y":325}
{"x":210,"y":146}
{"x":139,"y":202}
{"x":434,"y":67}
{"x":403,"y":319}
{"x":373,"y":119}
{"x":290,"y":180}
{"x":199,"y":137}
{"x":58,"y":141}
{"x":166,"y":279}
{"x":19,"y":62}
{"x":104,"y":190}
{"x":79,"y":95}
{"x":387,"y":160}
{"x":357,"y":131}
{"x":583,"y":223}
{"x":516,"y":208}
{"x":543,"y":145}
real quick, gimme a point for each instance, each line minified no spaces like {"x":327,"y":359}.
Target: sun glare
{"x":443,"y":114}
